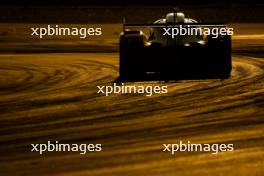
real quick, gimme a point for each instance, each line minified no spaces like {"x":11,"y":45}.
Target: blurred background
{"x":92,"y":11}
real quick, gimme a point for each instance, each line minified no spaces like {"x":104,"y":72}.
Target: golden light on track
{"x":53,"y":97}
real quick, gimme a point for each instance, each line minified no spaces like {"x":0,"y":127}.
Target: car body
{"x":188,"y":56}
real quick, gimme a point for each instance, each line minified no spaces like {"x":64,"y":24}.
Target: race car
{"x":163,"y":54}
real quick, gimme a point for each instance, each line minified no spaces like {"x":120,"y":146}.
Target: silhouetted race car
{"x":175,"y":48}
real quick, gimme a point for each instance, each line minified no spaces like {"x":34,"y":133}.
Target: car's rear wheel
{"x":131,"y":48}
{"x":221,"y":52}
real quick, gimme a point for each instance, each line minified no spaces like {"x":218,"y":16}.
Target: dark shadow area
{"x":52,"y":13}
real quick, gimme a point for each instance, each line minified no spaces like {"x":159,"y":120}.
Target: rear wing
{"x":155,"y":25}
{"x":168,"y":25}
{"x":169,"y":28}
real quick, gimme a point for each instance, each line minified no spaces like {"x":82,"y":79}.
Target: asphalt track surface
{"x":53,"y":97}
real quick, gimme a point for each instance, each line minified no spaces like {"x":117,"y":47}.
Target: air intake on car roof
{"x":175,"y":17}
